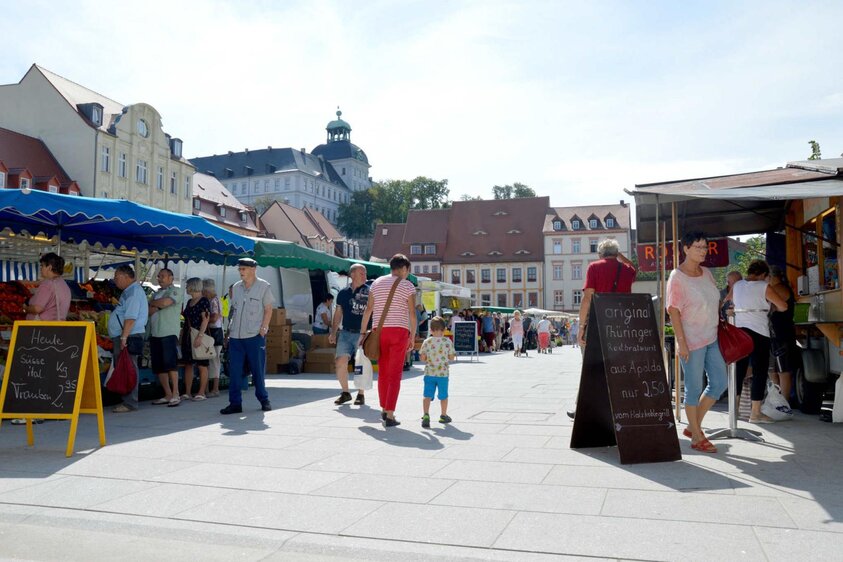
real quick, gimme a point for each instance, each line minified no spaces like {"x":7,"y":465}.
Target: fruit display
{"x":13,"y":295}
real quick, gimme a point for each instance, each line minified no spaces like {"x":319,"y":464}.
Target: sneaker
{"x":360,"y":400}
{"x":266,"y":406}
{"x":344,"y":397}
{"x":174,"y":401}
{"x":232,"y":409}
{"x":383,"y":416}
{"x":391,"y":422}
{"x":445,"y":419}
{"x":426,"y":421}
{"x":161,"y":401}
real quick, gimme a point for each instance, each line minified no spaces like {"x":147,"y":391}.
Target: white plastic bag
{"x":775,"y":405}
{"x":362,"y":371}
{"x":837,"y":411}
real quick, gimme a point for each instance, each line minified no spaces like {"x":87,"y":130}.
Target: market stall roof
{"x":737,"y":204}
{"x":551,"y":313}
{"x":445,"y":289}
{"x":501,"y":309}
{"x":119,"y":224}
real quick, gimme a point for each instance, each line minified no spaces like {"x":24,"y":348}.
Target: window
{"x":222,"y":212}
{"x":140,"y":171}
{"x":531,"y":275}
{"x":516,"y":274}
{"x":575,"y":224}
{"x":558,"y":299}
{"x":173,"y":178}
{"x":557,"y":225}
{"x":416,"y":269}
{"x":557,"y":271}
{"x":557,"y":246}
{"x":426,"y":269}
{"x":576,"y":271}
{"x":187,"y":193}
{"x":469,"y":276}
{"x":532,"y":300}
{"x":517,"y":300}
{"x":485,"y":275}
{"x":501,"y":275}
{"x":455,"y":276}
{"x":24,"y":183}
{"x":96,"y":117}
{"x":2,"y":180}
{"x":160,"y":180}
{"x":105,"y":159}
{"x":434,"y":268}
{"x":197,"y":204}
{"x":53,"y":188}
{"x":265,"y":186}
{"x":592,"y":245}
{"x":343,"y":171}
{"x":577,"y":297}
{"x":575,"y":246}
{"x":486,"y":300}
{"x":286,"y":182}
{"x":277,"y":184}
{"x":143,"y":128}
{"x":415,"y":249}
{"x":502,"y":299}
{"x":430,"y":249}
{"x":122,"y":169}
{"x":592,"y":223}
{"x":610,"y":222}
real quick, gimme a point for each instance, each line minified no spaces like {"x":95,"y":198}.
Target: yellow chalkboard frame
{"x":88,"y":394}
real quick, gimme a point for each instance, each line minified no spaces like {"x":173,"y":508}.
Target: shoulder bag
{"x":371,"y":340}
{"x":205,"y":350}
{"x":734,"y":343}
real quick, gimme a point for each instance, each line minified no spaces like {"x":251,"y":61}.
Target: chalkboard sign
{"x":52,"y":372}
{"x":624,"y":395}
{"x":465,"y":338}
{"x":44,"y":371}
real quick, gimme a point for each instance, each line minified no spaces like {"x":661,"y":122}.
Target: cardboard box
{"x":273,"y":340}
{"x":279,"y":317}
{"x":320,"y":341}
{"x":277,"y":357}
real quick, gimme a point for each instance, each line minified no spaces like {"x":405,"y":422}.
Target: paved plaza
{"x":314,"y":481}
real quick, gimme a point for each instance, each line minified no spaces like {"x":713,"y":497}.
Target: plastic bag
{"x":124,"y":378}
{"x":775,"y":405}
{"x":363,"y":372}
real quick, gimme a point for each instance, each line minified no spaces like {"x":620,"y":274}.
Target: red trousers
{"x":394,"y":343}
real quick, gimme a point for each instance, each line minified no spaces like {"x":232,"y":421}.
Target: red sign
{"x":718,"y":255}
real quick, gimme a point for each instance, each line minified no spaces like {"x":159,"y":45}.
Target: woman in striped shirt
{"x":398,"y":333}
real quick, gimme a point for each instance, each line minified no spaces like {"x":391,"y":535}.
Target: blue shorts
{"x":347,"y":343}
{"x":432,"y":383}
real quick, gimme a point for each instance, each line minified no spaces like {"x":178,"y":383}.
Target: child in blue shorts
{"x":436,"y":351}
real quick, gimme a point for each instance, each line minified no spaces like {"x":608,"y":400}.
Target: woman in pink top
{"x":516,"y":330}
{"x":51,"y":300}
{"x":398,"y":334}
{"x":693,"y":303}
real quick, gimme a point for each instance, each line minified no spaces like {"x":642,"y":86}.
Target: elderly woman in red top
{"x":398,"y":333}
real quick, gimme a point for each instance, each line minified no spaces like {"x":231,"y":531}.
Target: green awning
{"x":280,"y":253}
{"x":501,"y":309}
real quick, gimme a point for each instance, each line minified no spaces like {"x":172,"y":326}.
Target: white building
{"x":571,"y":237}
{"x":111,"y":149}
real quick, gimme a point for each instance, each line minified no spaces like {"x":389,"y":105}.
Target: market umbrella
{"x":119,"y":224}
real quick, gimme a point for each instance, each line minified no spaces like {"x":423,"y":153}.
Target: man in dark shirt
{"x":351,"y":303}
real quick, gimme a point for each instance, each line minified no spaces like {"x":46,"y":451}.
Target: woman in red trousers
{"x":398,"y":333}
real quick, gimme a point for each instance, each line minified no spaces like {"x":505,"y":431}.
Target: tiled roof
{"x":503,"y":230}
{"x":324,"y":225}
{"x":209,"y":188}
{"x":388,"y":240}
{"x":621,"y":214}
{"x":22,"y":151}
{"x":265,"y":161}
{"x":429,"y":226}
{"x":301,"y":226}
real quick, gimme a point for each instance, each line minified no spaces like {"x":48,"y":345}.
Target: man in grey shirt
{"x":248,"y":324}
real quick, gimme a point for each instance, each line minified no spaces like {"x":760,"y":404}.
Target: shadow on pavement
{"x":398,"y":437}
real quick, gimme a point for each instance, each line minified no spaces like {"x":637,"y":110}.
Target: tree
{"x":356,"y":218}
{"x":815,"y":150}
{"x":467,"y":197}
{"x":427,"y":193}
{"x":262,"y":204}
{"x":514,"y":191}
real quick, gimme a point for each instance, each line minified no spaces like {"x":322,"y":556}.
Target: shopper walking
{"x":346,"y":329}
{"x":164,"y":324}
{"x":251,"y":311}
{"x":398,"y":333}
{"x":516,"y":330}
{"x":127,"y":326}
{"x":693,"y":303}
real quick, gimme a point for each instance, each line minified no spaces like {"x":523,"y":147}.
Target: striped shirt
{"x":398,"y":314}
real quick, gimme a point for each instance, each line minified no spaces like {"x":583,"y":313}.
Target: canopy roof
{"x":501,"y":309}
{"x":737,"y":204}
{"x":119,"y":224}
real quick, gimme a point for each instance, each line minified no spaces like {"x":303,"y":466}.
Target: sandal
{"x":161,"y":401}
{"x":198,"y":398}
{"x":704,"y":446}
{"x":687,"y":433}
{"x":761,"y":419}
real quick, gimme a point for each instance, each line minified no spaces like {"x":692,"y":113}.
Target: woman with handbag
{"x":209,"y":291}
{"x":197,"y":315}
{"x":693,"y":303}
{"x":392,"y":307}
{"x":752,"y":297}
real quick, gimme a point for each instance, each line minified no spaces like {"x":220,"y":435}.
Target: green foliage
{"x":357,"y":218}
{"x":756,"y":249}
{"x":467,"y":197}
{"x":513,"y":191}
{"x":262,"y":204}
{"x":815,"y":150}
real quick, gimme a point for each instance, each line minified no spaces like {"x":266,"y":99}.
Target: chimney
{"x":269,"y":148}
{"x":246,"y":151}
{"x":622,"y":203}
{"x":230,"y":153}
{"x":302,"y":151}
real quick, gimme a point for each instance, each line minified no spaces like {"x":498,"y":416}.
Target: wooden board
{"x":624,"y":395}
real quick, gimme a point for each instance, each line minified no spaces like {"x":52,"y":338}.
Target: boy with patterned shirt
{"x":436,"y":351}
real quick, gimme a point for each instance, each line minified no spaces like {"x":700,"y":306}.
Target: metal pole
{"x":677,"y":368}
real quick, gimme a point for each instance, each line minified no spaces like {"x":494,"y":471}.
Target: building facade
{"x":571,"y":237}
{"x":112,"y":150}
{"x":320,"y":180}
{"x":213,"y":202}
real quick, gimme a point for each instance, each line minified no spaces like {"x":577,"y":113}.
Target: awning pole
{"x":677,"y":368}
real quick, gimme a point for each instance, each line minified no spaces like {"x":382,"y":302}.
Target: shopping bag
{"x":363,"y":372}
{"x":124,"y":378}
{"x":775,"y":405}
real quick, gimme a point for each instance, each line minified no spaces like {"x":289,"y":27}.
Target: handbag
{"x":734,"y":343}
{"x":205,"y":350}
{"x":124,"y":377}
{"x":371,"y":339}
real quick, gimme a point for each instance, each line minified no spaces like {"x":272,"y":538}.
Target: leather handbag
{"x":734,"y":343}
{"x":371,"y":339}
{"x":205,"y":350}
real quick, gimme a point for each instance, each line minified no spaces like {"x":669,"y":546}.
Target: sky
{"x":578,"y":100}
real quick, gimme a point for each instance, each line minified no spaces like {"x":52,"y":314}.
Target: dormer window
{"x":479,"y":233}
{"x":610,"y":222}
{"x":197,"y":204}
{"x":175,"y":147}
{"x":592,"y":223}
{"x":468,"y":254}
{"x":514,"y":231}
{"x":575,"y":224}
{"x":222,"y":211}
{"x":495,"y":253}
{"x":522,"y":252}
{"x":243,"y":216}
{"x":24,"y":183}
{"x":557,"y":225}
{"x":247,"y":170}
{"x":96,"y":115}
{"x":430,"y":249}
{"x":415,"y":249}
{"x":500,"y":214}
